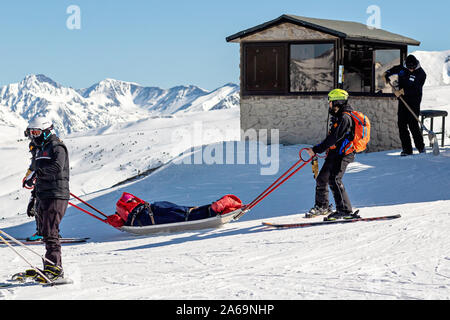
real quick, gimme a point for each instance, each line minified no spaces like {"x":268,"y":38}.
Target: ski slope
{"x":407,"y":258}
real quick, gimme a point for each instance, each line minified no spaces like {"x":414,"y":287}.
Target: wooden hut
{"x":288,"y":65}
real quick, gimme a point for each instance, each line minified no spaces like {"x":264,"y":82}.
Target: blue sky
{"x":169,"y":43}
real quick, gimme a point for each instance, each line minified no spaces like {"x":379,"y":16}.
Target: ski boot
{"x":35,"y":237}
{"x":342,"y":215}
{"x":318,"y":211}
{"x":52,"y":273}
{"x":22,"y":277}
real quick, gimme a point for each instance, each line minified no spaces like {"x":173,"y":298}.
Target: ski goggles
{"x":33,"y":133}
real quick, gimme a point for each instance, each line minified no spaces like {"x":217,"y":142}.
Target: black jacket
{"x":412,"y":83}
{"x":51,"y":164}
{"x":341,"y":132}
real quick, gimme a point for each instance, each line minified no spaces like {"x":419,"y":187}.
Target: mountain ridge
{"x":106,"y":102}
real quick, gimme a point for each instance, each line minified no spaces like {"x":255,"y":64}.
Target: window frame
{"x":374,"y":63}
{"x":339,"y":45}
{"x":335,"y":66}
{"x":376,"y":46}
{"x":244,"y":68}
{"x":287,"y":89}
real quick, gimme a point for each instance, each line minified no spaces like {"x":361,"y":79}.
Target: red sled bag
{"x":227,"y":204}
{"x":115,"y":220}
{"x":126,"y":204}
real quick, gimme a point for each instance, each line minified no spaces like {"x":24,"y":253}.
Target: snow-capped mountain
{"x":105,"y":103}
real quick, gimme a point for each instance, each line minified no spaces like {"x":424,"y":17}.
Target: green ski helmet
{"x":338,"y":95}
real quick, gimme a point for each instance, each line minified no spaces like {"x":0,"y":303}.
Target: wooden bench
{"x":433,"y":114}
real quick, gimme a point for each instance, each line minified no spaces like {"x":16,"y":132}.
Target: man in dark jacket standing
{"x":51,"y":189}
{"x":337,"y":160}
{"x":411,"y":79}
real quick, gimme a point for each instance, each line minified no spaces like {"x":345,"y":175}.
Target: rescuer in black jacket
{"x":411,"y":79}
{"x":337,"y":160}
{"x":51,"y":171}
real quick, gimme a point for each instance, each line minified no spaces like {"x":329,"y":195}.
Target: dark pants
{"x":167,"y":212}
{"x":38,"y":219}
{"x":331,"y":175}
{"x":51,"y":212}
{"x":407,"y":121}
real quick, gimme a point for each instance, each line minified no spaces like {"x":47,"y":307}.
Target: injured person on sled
{"x":135,"y":212}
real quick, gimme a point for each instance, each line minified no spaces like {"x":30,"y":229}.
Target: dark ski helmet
{"x":411,"y":62}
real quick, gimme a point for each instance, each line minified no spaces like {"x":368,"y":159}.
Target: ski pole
{"x":90,"y":206}
{"x":24,"y":259}
{"x":24,"y":246}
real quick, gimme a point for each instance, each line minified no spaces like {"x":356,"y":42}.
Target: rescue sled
{"x":208,"y":223}
{"x":224,"y":207}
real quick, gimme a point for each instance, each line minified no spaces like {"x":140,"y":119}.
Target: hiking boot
{"x":342,"y":215}
{"x":51,"y":272}
{"x":319,"y":211}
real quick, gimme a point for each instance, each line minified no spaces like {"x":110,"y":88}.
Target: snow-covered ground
{"x":407,"y":258}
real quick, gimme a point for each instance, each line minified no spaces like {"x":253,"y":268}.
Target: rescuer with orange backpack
{"x":349,"y":134}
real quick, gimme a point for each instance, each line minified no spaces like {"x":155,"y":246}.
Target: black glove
{"x":31,"y":209}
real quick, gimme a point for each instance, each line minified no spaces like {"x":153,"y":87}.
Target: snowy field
{"x":407,"y":258}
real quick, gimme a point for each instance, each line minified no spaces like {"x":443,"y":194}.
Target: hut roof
{"x":343,"y":29}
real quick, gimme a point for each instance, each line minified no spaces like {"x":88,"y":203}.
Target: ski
{"x":321,"y":223}
{"x":13,"y":284}
{"x":58,"y":282}
{"x":65,"y":239}
{"x":61,"y":240}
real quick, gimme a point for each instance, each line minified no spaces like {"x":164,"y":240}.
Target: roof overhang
{"x":361,"y":33}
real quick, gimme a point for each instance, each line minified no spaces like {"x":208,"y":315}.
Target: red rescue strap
{"x":87,"y":212}
{"x":88,"y":205}
{"x":282,"y":179}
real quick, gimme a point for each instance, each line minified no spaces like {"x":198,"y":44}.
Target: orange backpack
{"x":361,"y":135}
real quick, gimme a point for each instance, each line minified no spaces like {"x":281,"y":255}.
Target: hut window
{"x":311,"y":67}
{"x":265,"y":68}
{"x":384,"y":60}
{"x":358,"y":64}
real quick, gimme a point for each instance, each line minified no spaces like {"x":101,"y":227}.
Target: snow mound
{"x":437,"y":66}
